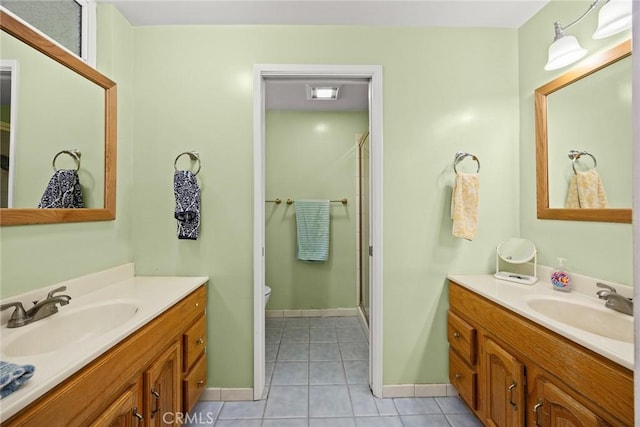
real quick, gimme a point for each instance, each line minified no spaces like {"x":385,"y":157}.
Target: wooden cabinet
{"x":195,"y":363}
{"x":504,"y":386}
{"x":135,"y":383}
{"x":162,"y":388}
{"x":513,"y":372}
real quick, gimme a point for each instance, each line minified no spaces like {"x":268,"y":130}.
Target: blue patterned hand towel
{"x":312,"y":223}
{"x":187,"y":211}
{"x":13,"y":376}
{"x":63,"y":191}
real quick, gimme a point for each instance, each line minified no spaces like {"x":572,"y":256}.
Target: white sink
{"x":68,"y":326}
{"x":592,"y":318}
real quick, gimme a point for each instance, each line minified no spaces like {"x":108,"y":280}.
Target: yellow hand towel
{"x":464,"y":205}
{"x":586,"y":191}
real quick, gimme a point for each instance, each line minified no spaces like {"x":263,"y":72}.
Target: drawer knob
{"x":200,"y":383}
{"x":458,"y":376}
{"x":197,"y":304}
{"x":200,"y":341}
{"x":456,"y":335}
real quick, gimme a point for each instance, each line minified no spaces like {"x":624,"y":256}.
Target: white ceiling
{"x":353,"y":96}
{"x":414,"y":13}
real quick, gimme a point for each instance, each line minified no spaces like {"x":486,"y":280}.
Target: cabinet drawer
{"x":462,"y":338}
{"x":194,"y":342}
{"x":194,"y":383}
{"x":463,"y":379}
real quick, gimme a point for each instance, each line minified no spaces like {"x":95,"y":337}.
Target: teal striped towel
{"x":312,"y":223}
{"x":13,"y":376}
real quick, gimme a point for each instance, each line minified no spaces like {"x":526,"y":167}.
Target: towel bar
{"x":277,"y":201}
{"x":75,"y":153}
{"x":460,"y":155}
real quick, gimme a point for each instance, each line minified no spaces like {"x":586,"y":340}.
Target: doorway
{"x":373,"y":75}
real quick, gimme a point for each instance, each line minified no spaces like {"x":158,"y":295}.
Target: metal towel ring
{"x":193,"y":155}
{"x":75,"y":153}
{"x":461,"y":155}
{"x":575,"y":155}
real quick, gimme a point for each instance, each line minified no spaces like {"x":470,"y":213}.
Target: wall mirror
{"x":61,"y":104}
{"x":584,"y":119}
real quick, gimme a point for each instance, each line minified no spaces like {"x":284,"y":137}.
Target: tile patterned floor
{"x":317,"y":376}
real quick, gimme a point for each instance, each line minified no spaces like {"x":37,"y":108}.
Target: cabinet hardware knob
{"x":458,"y":376}
{"x":200,"y":341}
{"x":456,"y":335}
{"x":510,"y":390}
{"x":535,"y":411}
{"x":197,"y":304}
{"x":200,"y":383}
{"x":137,"y":414}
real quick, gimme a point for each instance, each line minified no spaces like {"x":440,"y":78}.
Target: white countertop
{"x":514,"y":296}
{"x":152,"y":296}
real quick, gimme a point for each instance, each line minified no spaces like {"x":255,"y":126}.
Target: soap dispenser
{"x":560,"y":278}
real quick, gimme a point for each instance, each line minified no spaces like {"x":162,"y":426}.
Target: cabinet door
{"x":123,"y":412}
{"x":503,"y":377}
{"x":162,"y":389}
{"x":554,"y":407}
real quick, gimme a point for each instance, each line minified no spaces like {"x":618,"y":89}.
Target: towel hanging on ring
{"x":187,"y":210}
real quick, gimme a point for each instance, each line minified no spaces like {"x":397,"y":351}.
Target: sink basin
{"x":587,"y":317}
{"x":68,"y":327}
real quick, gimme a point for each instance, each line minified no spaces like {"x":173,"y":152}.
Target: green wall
{"x":601,"y":250}
{"x":311,"y":155}
{"x":39,"y":255}
{"x":444,"y":90}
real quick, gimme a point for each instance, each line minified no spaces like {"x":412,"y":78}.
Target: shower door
{"x":363,"y":221}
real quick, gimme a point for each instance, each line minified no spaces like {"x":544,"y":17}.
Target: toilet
{"x":267,"y":294}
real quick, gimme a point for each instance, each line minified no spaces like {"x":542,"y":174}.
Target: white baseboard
{"x":321,"y":312}
{"x":227,"y":394}
{"x":419,"y":390}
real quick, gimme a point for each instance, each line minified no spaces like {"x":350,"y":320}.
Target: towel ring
{"x":193,"y":155}
{"x":75,"y":154}
{"x":575,"y":155}
{"x":461,"y":155}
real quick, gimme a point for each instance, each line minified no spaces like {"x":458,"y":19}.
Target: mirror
{"x":86,"y":120}
{"x":561,"y":127}
{"x":515,"y":251}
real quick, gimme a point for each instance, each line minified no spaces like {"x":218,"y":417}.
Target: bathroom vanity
{"x":148,"y":371}
{"x":514,"y":367}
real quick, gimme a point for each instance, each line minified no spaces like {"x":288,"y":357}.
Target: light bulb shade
{"x":614,"y":17}
{"x":564,"y":51}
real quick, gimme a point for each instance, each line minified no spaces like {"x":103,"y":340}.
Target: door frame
{"x":374,"y":74}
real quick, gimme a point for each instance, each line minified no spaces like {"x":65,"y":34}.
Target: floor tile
{"x":296,"y":322}
{"x":452,"y":405}
{"x":424,"y":421}
{"x":354,"y":350}
{"x":463,"y":420}
{"x":323,"y":335}
{"x":324,"y":351}
{"x":268,"y":372}
{"x":291,"y":373}
{"x":272,"y":335}
{"x":416,"y":405}
{"x":238,"y":423}
{"x":274,"y":322}
{"x":270,"y":352}
{"x":332,"y":422}
{"x":286,"y":422}
{"x":325,"y":373}
{"x":385,"y":406}
{"x":348,"y":322}
{"x":287,"y":402}
{"x":362,"y":400}
{"x":329,"y":401}
{"x":351,"y":335}
{"x":322,"y":322}
{"x":293,"y":351}
{"x":237,"y":410}
{"x":378,"y":422}
{"x":210,"y":409}
{"x":357,"y":371}
{"x":295,"y":335}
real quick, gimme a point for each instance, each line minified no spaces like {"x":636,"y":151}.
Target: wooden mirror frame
{"x":17,"y":216}
{"x":597,"y":62}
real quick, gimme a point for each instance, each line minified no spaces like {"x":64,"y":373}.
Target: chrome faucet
{"x":40,"y":309}
{"x":614,"y":300}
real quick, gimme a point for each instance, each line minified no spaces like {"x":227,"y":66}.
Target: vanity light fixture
{"x":613,"y":18}
{"x":323,"y":93}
